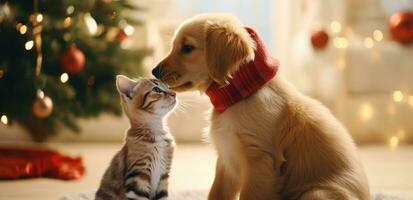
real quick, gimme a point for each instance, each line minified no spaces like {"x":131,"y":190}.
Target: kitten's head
{"x":145,"y":98}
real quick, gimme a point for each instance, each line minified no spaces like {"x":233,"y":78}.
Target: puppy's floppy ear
{"x":227,"y":45}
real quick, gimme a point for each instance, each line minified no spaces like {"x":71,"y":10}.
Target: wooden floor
{"x":389,"y":171}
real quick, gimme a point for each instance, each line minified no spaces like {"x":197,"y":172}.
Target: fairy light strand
{"x":366,"y":110}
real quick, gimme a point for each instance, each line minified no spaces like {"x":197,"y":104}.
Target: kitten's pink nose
{"x":172,"y":93}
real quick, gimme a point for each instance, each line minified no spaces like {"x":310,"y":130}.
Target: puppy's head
{"x":205,"y":48}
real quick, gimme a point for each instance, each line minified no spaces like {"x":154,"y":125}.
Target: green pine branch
{"x":86,"y":94}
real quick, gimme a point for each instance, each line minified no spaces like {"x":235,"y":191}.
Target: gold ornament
{"x":42,"y":105}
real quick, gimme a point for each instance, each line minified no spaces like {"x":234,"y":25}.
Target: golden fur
{"x":275,"y":144}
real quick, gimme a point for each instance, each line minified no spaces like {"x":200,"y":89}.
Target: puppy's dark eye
{"x":157,"y":90}
{"x":186,"y":48}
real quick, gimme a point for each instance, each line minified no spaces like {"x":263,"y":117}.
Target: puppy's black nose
{"x":157,"y":72}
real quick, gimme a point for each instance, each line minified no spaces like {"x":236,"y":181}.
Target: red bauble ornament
{"x":121,"y":36}
{"x":72,"y":60}
{"x":401,"y":26}
{"x":319,"y":39}
{"x":42,"y":107}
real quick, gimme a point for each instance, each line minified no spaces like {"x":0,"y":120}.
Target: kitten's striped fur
{"x":140,"y":170}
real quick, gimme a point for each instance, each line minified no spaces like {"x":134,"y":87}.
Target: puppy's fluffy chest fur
{"x":246,"y":127}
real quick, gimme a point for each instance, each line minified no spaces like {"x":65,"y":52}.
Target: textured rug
{"x":380,"y":196}
{"x":174,"y":195}
{"x":197,"y":195}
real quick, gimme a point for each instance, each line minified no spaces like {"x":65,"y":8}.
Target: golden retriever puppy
{"x":272,"y":141}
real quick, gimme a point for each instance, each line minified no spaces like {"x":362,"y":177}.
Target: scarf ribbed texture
{"x":249,"y":78}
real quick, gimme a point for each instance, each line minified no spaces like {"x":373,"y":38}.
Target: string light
{"x":368,"y":42}
{"x":29,"y":45}
{"x":340,"y":42}
{"x":335,"y":26}
{"x":398,"y":96}
{"x":4,"y":119}
{"x":91,"y":24}
{"x":64,"y":78}
{"x":23,"y":29}
{"x":67,"y":22}
{"x":129,"y":30}
{"x":1,"y":73}
{"x":39,"y":18}
{"x":366,"y":111}
{"x":70,"y":10}
{"x":394,"y":141}
{"x":40,"y":94}
{"x":378,"y":35}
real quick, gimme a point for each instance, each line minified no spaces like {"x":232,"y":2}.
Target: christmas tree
{"x":59,"y":58}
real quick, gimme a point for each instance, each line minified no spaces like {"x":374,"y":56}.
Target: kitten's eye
{"x":157,"y":90}
{"x":186,"y":48}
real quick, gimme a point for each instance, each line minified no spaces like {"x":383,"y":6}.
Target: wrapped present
{"x":18,"y":163}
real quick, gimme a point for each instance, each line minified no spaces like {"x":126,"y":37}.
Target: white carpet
{"x":199,"y":195}
{"x":381,"y":196}
{"x":388,"y":172}
{"x":174,"y":195}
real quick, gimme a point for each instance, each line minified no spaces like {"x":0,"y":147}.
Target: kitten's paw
{"x":136,"y":194}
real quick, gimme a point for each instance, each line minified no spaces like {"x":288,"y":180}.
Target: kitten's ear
{"x":124,"y":85}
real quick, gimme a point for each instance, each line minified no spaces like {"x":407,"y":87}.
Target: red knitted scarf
{"x":249,"y":78}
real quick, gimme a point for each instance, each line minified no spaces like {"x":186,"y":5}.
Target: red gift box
{"x":17,"y":163}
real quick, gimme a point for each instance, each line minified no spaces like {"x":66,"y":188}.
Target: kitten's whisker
{"x":185,"y":104}
{"x":180,"y":108}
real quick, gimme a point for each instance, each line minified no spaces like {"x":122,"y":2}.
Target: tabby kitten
{"x":140,"y":170}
